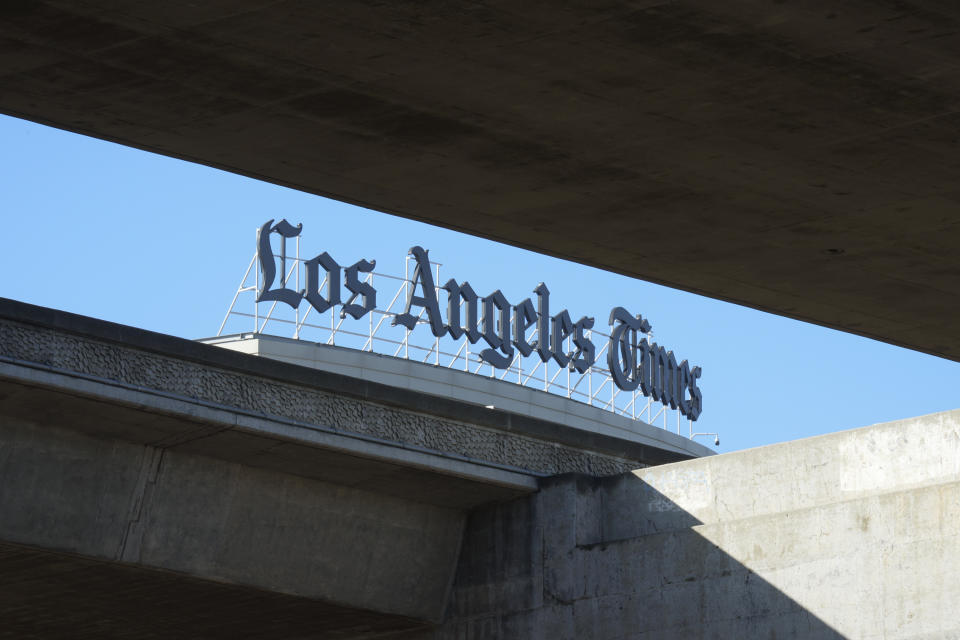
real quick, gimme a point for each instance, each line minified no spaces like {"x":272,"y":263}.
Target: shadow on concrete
{"x":45,"y":595}
{"x":585,"y":558}
{"x":610,"y":558}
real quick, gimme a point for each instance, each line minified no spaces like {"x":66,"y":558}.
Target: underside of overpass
{"x":799,"y":158}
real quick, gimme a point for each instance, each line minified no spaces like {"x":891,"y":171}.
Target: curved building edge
{"x":480,"y":390}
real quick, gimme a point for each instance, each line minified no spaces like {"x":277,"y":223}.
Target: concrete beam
{"x":795,"y":158}
{"x":109,"y":410}
{"x":154,"y":508}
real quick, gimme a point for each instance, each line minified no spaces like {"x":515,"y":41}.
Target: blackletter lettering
{"x":423,"y":277}
{"x":633,"y":362}
{"x":543,"y":322}
{"x":696,"y":398}
{"x":645,"y":367}
{"x":670,"y":391}
{"x":358,"y":288}
{"x":683,"y":381}
{"x":586,"y":353}
{"x":658,"y":356}
{"x":496,"y":330}
{"x":456,"y":293}
{"x":622,"y":349}
{"x":524,"y":317}
{"x":561,"y":329}
{"x":313,"y":295}
{"x":268,"y":265}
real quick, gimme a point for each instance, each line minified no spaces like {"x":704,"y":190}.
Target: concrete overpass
{"x":800,"y":158}
{"x":151,"y":486}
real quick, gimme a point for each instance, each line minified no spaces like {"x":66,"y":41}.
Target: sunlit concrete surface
{"x":852,"y":535}
{"x":800,"y":158}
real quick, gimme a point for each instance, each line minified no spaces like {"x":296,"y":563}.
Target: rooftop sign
{"x":506,"y":329}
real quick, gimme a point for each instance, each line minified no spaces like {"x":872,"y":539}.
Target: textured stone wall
{"x":112,"y":361}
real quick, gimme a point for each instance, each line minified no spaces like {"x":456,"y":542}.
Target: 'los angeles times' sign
{"x":633,"y":361}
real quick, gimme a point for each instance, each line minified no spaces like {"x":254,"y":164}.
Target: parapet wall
{"x":482,"y":390}
{"x":171,"y":365}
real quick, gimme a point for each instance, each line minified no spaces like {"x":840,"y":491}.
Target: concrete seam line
{"x":6,"y":363}
{"x":142,"y":492}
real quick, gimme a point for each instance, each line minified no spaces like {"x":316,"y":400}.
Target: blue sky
{"x":123,"y":235}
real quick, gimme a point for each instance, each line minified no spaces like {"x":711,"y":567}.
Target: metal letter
{"x":268,"y":266}
{"x":645,"y":367}
{"x":683,"y":381}
{"x":456,"y":292}
{"x":358,"y":288}
{"x":312,"y":292}
{"x":525,"y":316}
{"x":658,"y":357}
{"x":696,"y":402}
{"x":423,"y":276}
{"x":671,"y":395}
{"x":542,"y":344}
{"x":562,"y":328}
{"x":496,"y":330}
{"x":622,"y":349}
{"x":586,"y":353}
